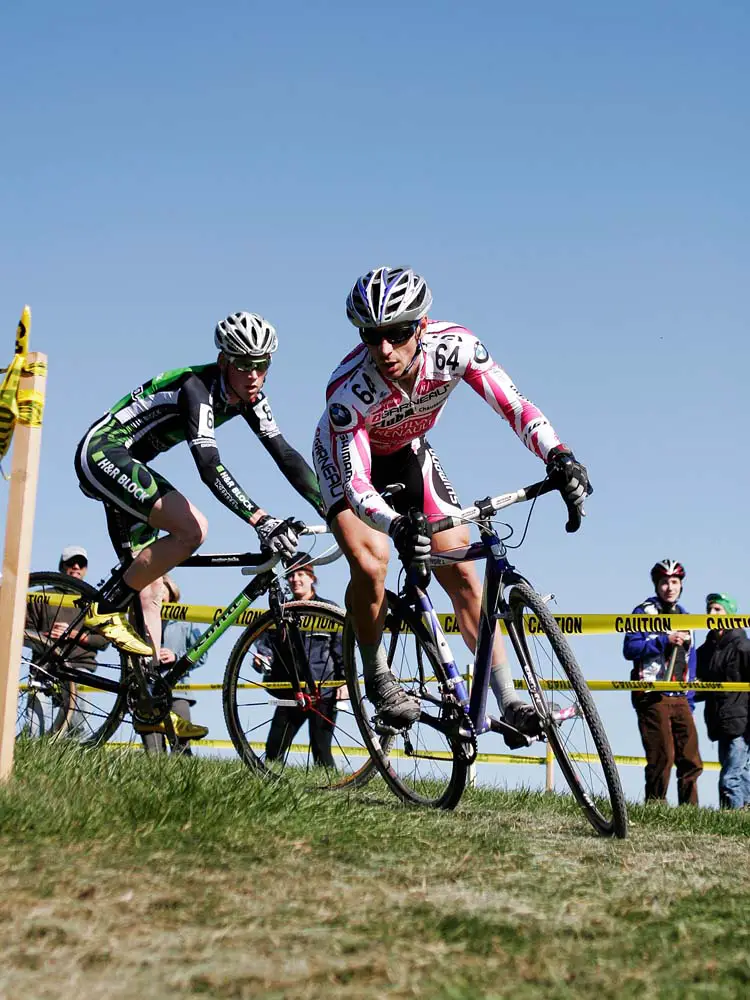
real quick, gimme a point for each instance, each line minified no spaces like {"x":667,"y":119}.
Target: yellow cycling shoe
{"x":183,"y":729}
{"x":116,"y":627}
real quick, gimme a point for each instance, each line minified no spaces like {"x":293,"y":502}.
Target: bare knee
{"x":461,"y":582}
{"x":151,"y":595}
{"x":192,"y":531}
{"x":368,"y":561}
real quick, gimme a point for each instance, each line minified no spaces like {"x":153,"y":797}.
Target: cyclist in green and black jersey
{"x":186,"y":404}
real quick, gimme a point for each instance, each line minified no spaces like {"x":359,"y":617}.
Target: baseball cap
{"x":301,"y":560}
{"x":727,"y":602}
{"x":72,"y":552}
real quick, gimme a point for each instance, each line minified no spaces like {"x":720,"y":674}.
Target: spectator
{"x":725,"y":656}
{"x":326,"y":663}
{"x":176,"y":639}
{"x":44,"y":623}
{"x":665,"y":718}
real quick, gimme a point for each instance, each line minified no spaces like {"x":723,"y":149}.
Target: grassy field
{"x":125,"y":876}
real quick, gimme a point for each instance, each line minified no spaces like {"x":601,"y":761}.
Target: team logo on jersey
{"x":480,"y":353}
{"x":340,"y":415}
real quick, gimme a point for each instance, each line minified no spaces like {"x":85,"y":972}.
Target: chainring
{"x":149,"y":708}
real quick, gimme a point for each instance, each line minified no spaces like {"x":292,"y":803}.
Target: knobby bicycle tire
{"x":433,"y":774}
{"x":584,"y":781}
{"x":95,"y":714}
{"x":262,"y":718}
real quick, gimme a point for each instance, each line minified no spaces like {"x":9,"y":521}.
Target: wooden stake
{"x":19,"y":523}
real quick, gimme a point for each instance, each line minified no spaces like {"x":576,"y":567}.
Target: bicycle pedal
{"x":382,"y":729}
{"x":514,"y":739}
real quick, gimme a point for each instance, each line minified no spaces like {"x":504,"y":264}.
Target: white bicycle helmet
{"x":244,"y":334}
{"x":388,"y":295}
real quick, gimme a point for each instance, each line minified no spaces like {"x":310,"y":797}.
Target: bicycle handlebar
{"x":322,"y":560}
{"x":260,"y":562}
{"x":482,"y":509}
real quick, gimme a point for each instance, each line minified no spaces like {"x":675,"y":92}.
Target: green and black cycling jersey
{"x":186,"y":404}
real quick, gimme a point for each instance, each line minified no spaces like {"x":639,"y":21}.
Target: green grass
{"x":128,"y":876}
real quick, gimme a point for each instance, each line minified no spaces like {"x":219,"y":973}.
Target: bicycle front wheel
{"x":271,"y":728}
{"x":424,"y":765}
{"x":568,"y":714}
{"x":49,"y":703}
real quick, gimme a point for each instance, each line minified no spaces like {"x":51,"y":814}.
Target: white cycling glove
{"x":277,"y":536}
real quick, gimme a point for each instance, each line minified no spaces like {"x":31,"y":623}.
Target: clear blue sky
{"x":571,"y":179}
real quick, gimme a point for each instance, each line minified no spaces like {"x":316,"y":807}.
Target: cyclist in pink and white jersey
{"x":381,"y":401}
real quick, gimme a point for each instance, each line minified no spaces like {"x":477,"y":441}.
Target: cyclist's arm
{"x":494,"y":385}
{"x":351,"y":453}
{"x":293,"y":466}
{"x":198,"y":416}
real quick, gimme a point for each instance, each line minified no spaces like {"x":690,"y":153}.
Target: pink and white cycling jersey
{"x":368,"y":415}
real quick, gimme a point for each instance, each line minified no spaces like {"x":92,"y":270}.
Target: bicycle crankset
{"x":151,"y":705}
{"x":459,"y":729}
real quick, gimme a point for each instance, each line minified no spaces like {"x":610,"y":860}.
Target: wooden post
{"x":19,"y":522}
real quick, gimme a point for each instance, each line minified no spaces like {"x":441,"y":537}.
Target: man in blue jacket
{"x":665,"y":718}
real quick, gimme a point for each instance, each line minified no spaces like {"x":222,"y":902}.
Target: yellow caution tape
{"x":207,"y":614}
{"x":23,"y":406}
{"x":481,"y":758}
{"x":30,"y":407}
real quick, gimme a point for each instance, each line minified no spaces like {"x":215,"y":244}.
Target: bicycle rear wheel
{"x":316,"y":736}
{"x":422,"y":766}
{"x":568,"y":714}
{"x":79,"y":711}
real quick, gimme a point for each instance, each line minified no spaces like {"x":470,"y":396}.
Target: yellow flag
{"x":9,"y":387}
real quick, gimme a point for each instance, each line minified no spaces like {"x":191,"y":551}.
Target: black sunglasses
{"x":75,"y":561}
{"x":259,"y":365}
{"x":397,"y":334}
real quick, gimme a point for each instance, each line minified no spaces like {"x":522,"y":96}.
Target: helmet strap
{"x":417,"y":352}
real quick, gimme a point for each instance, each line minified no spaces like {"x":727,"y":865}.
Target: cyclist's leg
{"x":462,"y":584}
{"x":136,"y":495}
{"x":186,"y":530}
{"x":367,"y":551}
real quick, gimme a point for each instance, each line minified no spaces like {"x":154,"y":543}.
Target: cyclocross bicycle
{"x":427,"y":764}
{"x":60,"y":698}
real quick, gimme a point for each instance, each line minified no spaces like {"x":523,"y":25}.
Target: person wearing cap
{"x":665,"y":718}
{"x":176,"y":638}
{"x":44,"y":624}
{"x":74,"y":561}
{"x":326,"y":663}
{"x":725,"y":656}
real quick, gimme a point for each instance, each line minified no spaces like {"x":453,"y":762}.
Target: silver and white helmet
{"x":388,"y":295}
{"x":245,"y":334}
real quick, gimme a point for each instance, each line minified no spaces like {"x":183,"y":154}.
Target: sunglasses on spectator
{"x":75,"y":561}
{"x":259,"y":365}
{"x":397,"y":334}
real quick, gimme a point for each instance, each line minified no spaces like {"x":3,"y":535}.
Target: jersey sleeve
{"x":352,"y":455}
{"x":494,"y":385}
{"x":196,"y":409}
{"x":296,"y":470}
